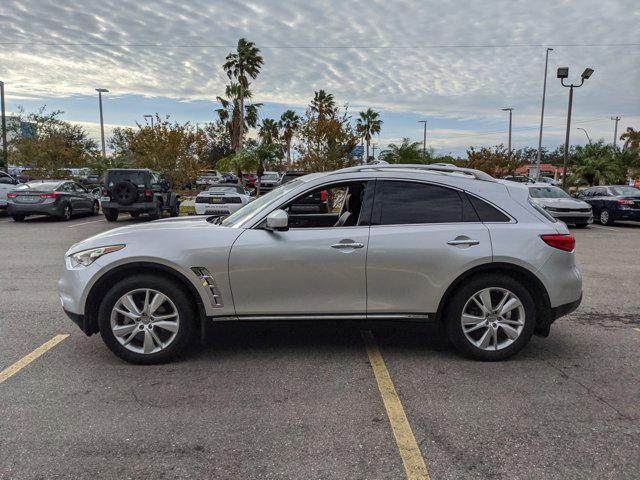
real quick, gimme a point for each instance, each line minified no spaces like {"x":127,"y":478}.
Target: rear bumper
{"x":566,"y":309}
{"x":133,"y":207}
{"x":627,"y":214}
{"x":217,"y":209}
{"x":573,"y":217}
{"x":28,"y":209}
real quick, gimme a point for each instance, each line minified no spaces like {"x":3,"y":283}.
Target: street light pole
{"x":149,"y":117}
{"x":510,"y":110}
{"x":100,"y":92}
{"x":585,"y":132}
{"x":563,"y":72}
{"x":5,"y":156}
{"x":424,"y":138}
{"x":544,"y":93}
{"x":615,"y":131}
{"x":373,"y":154}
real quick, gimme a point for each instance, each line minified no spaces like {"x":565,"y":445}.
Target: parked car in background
{"x":229,"y":178}
{"x":519,"y":179}
{"x":56,"y":198}
{"x":91,"y":179}
{"x":291,"y":175}
{"x":269,"y":181}
{"x":559,"y":204}
{"x":613,"y":202}
{"x":137,"y":191}
{"x":250,"y":179}
{"x":222,"y":200}
{"x":550,"y":181}
{"x":7,"y":184}
{"x":314,"y":202}
{"x":422,"y":243}
{"x":208,"y":177}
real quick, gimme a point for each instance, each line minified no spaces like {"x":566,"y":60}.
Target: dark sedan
{"x":614,"y":202}
{"x":56,"y":198}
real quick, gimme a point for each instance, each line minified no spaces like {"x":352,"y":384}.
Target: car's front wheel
{"x":491,"y":317}
{"x":146,"y":319}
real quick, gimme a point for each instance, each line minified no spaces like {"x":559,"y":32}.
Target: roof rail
{"x":443,"y":168}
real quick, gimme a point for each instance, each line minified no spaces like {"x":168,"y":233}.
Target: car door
{"x":304,"y":272}
{"x":423,"y":236}
{"x":85,"y":199}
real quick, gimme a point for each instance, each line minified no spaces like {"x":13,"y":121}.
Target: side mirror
{"x":278,"y":220}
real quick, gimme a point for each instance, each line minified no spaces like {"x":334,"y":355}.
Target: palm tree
{"x":230,"y":116}
{"x":289,"y":122}
{"x":243,"y":63}
{"x":367,"y":125}
{"x":269,"y":131}
{"x":631,"y":138}
{"x":406,"y":152}
{"x":323,"y":104}
{"x":596,"y":164}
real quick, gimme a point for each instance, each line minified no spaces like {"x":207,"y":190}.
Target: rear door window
{"x":405,"y":203}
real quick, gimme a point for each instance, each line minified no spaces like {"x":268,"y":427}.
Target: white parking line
{"x":600,"y":227}
{"x":84,"y":223}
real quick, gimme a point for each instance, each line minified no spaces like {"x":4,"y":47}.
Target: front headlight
{"x":87,"y":257}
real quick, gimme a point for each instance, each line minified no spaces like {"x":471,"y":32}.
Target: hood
{"x":147,"y":232}
{"x":561,"y":203}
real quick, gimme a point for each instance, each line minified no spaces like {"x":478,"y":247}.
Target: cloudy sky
{"x":455,"y":64}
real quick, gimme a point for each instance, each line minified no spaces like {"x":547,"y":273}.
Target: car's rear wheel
{"x":175,"y":209}
{"x":146,"y":319}
{"x":111,"y":214}
{"x":134,"y":214}
{"x":18,"y":218}
{"x":66,"y":213}
{"x":605,"y":217}
{"x":491,"y":317}
{"x":156,"y":213}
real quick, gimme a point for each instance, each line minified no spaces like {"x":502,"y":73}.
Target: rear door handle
{"x":468,"y":241}
{"x":347,"y":245}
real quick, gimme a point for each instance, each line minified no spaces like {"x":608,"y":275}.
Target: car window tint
{"x":409,"y":203}
{"x":486,"y":212}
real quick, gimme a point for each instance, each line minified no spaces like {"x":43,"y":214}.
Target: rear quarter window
{"x":486,"y":212}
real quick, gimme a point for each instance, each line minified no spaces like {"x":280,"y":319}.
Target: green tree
{"x":269,"y":131}
{"x":54,"y":146}
{"x":596,"y":164}
{"x":406,"y":152}
{"x":289,"y":123}
{"x":323,"y":105}
{"x":229,"y":114}
{"x":494,"y":160}
{"x":241,"y":65}
{"x":368,"y":124}
{"x":217,"y":142}
{"x":631,"y":139}
{"x":252,"y":157}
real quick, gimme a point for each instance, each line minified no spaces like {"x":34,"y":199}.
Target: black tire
{"x":66,"y":213}
{"x":465,"y":292}
{"x":111,"y":214}
{"x":157,"y":213}
{"x":18,"y":218}
{"x":605,"y":217}
{"x":175,"y":209}
{"x":95,"y":209}
{"x":125,"y":193}
{"x":581,"y":225}
{"x":134,"y":214}
{"x":172,"y":289}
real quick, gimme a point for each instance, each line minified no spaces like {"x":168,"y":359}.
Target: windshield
{"x":625,"y":190}
{"x":270,"y":176}
{"x":227,"y":189}
{"x":250,"y":210}
{"x":44,"y":186}
{"x":548,"y":192}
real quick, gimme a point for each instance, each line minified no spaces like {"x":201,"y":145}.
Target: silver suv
{"x":399,"y":242}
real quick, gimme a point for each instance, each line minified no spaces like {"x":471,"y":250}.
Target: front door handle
{"x":348,"y":245}
{"x":467,"y":241}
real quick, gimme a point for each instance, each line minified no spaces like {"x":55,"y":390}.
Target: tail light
{"x":625,"y":202}
{"x":562,"y":242}
{"x":323,"y":195}
{"x":12,"y":195}
{"x":105,"y":192}
{"x":49,"y":195}
{"x":148,"y":193}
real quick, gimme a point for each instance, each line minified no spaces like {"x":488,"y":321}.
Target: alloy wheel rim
{"x":67,"y":212}
{"x":492,"y":319}
{"x":604,"y":216}
{"x":145,"y":321}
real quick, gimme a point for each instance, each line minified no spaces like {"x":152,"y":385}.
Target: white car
{"x":7,"y":184}
{"x":222,"y":200}
{"x":210,"y":177}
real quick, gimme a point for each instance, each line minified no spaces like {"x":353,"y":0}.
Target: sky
{"x":454,"y":64}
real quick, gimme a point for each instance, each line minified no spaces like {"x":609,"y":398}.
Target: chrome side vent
{"x":208,"y":281}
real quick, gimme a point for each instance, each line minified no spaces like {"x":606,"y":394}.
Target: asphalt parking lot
{"x":303,"y":401}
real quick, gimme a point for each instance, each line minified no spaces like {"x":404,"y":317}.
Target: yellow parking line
{"x":637,"y":330}
{"x":27,"y":359}
{"x":412,"y":460}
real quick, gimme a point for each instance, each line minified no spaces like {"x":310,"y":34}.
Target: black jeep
{"x":137,"y":191}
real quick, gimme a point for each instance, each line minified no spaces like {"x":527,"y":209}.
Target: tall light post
{"x":563,"y":72}
{"x":544,"y":93}
{"x":510,"y":110}
{"x":424,"y":138}
{"x":149,"y":117}
{"x":585,"y":132}
{"x":373,"y":154}
{"x":5,"y":156}
{"x":100,"y":92}
{"x":615,"y":131}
